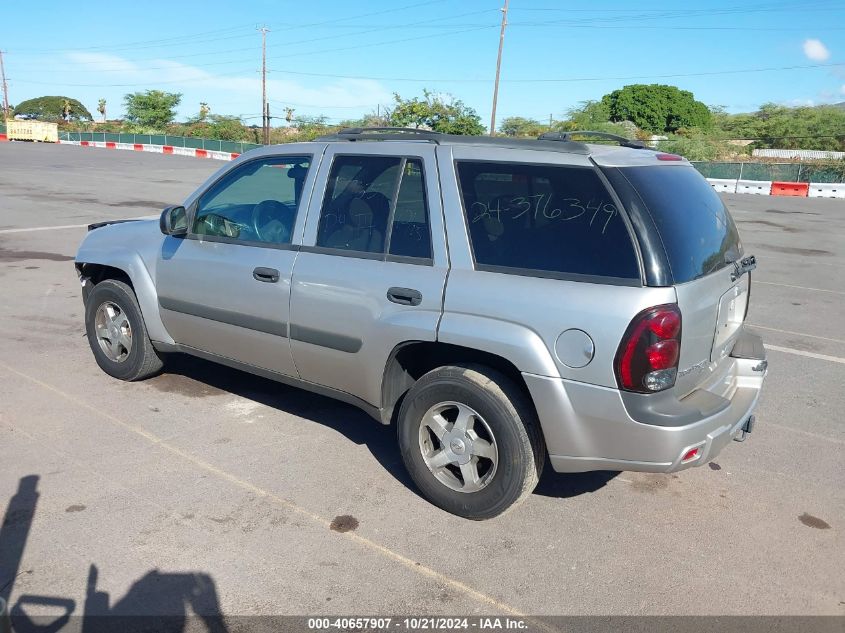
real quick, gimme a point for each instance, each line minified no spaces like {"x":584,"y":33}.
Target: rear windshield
{"x":697,"y":231}
{"x":545,"y":220}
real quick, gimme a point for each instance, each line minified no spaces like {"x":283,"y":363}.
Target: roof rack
{"x":567,"y":136}
{"x":382,"y":133}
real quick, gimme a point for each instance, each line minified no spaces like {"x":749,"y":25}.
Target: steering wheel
{"x":265,"y":213}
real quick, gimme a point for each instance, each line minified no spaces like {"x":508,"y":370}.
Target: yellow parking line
{"x":222,"y":474}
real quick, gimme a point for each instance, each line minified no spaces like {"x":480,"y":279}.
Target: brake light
{"x":669,"y":157}
{"x":647,"y":359}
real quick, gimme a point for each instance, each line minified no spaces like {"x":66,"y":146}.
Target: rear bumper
{"x":587,"y":427}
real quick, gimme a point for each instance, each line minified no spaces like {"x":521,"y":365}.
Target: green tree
{"x":594,"y":116}
{"x":436,"y":112}
{"x":101,"y":108}
{"x":53,"y":109}
{"x":153,"y":108}
{"x":657,"y":108}
{"x":781,"y":127}
{"x":521,"y":126}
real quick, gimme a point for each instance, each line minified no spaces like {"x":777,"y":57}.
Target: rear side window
{"x":556,"y":220}
{"x":376,"y":203}
{"x":697,"y":231}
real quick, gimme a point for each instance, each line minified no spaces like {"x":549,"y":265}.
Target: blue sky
{"x":342,"y":59}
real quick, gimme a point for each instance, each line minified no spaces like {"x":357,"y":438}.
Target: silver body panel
{"x":329,"y":326}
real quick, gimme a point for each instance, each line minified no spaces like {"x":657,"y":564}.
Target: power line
{"x":552,"y":80}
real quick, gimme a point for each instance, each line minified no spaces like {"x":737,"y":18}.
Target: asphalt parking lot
{"x":210,"y":487}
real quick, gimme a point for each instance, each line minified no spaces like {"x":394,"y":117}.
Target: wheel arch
{"x":130,"y":269}
{"x":410,"y":360}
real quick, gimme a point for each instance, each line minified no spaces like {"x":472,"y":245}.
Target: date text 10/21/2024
{"x":418,"y":623}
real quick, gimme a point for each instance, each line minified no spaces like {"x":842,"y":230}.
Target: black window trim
{"x":547,"y":274}
{"x":385,"y":256}
{"x":192,"y":211}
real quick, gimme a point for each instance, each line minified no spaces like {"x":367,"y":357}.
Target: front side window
{"x":363,"y":193}
{"x":256,"y":202}
{"x":554,"y":219}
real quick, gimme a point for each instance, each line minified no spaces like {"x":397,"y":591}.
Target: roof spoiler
{"x":567,"y":137}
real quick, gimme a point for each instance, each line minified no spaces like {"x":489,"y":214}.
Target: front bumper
{"x":588,"y":427}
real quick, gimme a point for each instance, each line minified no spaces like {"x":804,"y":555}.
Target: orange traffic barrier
{"x":201,"y":153}
{"x":166,"y":149}
{"x":111,"y":145}
{"x":798,"y":189}
{"x":138,"y":147}
{"x":3,"y":137}
{"x":234,"y":155}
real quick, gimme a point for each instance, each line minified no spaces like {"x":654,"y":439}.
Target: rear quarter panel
{"x":521,"y":317}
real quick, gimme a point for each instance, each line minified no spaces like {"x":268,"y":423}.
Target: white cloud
{"x":231,"y":93}
{"x":815,"y":50}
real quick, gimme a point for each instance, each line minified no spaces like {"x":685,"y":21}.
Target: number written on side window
{"x":549,"y":218}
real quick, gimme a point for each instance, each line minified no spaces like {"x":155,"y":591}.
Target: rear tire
{"x":117,"y":334}
{"x":470,"y":440}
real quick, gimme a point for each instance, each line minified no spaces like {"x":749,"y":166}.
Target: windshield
{"x":696,"y":229}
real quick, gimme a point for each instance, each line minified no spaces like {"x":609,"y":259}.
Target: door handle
{"x":404,"y":296}
{"x":269,"y":275}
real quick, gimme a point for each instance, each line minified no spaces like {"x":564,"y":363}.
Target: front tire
{"x":470,"y":440}
{"x":117,"y":334}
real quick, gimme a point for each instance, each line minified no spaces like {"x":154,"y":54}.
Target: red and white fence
{"x":157,"y":149}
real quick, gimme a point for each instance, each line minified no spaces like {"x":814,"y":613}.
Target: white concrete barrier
{"x":758,"y":187}
{"x":723,"y":185}
{"x":827,"y":190}
{"x":185,"y":151}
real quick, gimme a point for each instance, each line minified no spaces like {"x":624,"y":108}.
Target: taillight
{"x":647,"y":359}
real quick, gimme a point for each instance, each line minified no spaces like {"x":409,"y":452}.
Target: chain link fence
{"x":779,"y":172}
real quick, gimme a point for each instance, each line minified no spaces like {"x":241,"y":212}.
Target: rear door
{"x":372,"y":267}
{"x":700,"y":243}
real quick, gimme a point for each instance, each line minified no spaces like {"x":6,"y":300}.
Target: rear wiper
{"x":742,"y":266}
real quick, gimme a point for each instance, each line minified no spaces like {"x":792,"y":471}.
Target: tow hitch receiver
{"x":745,"y":430}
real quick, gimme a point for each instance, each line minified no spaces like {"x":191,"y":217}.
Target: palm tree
{"x":101,"y":108}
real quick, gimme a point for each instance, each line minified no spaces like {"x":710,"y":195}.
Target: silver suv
{"x":498,"y":300}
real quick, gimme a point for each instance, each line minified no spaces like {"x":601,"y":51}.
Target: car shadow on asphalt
{"x":195,"y":377}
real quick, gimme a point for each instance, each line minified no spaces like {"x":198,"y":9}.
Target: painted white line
{"x":69,"y":226}
{"x":774,"y":329}
{"x":800,"y":352}
{"x":44,"y":228}
{"x":772,"y":283}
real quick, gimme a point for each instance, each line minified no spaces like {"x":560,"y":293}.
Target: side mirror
{"x":174,"y":221}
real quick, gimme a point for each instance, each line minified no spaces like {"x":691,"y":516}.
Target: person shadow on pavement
{"x":158,"y":601}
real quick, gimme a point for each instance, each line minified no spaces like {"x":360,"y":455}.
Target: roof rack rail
{"x":567,"y":136}
{"x":382,"y":133}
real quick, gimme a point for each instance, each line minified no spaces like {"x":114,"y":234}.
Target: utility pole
{"x":498,"y":68}
{"x":265,"y":108}
{"x":5,"y":89}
